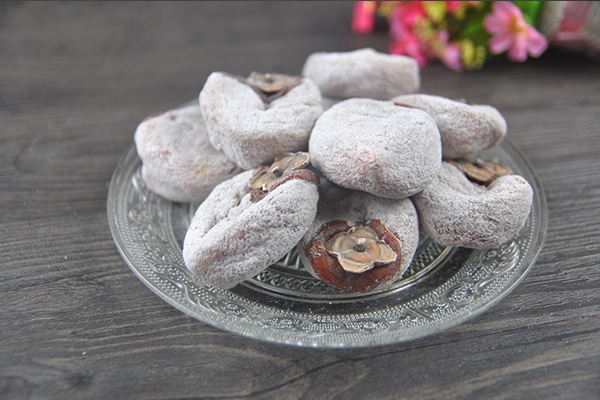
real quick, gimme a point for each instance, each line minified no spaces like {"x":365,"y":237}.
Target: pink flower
{"x":511,"y":32}
{"x":409,"y":44}
{"x":448,"y":53}
{"x":406,"y":42}
{"x":363,"y":16}
{"x":454,"y":6}
{"x":407,"y":14}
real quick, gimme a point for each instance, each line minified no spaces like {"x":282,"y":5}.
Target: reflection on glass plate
{"x":284,"y":304}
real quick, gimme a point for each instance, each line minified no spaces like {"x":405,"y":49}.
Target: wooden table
{"x":76,"y":79}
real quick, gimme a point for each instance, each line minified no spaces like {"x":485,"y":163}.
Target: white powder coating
{"x":251,"y":132}
{"x":362,"y":73}
{"x":465,"y":129}
{"x":453,"y":211}
{"x":179,"y":163}
{"x":377,"y":147}
{"x":231,"y":239}
{"x":399,"y":216}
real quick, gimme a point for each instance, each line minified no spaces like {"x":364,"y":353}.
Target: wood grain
{"x":76,"y":79}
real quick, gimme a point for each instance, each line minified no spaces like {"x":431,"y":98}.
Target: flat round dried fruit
{"x":376,"y":147}
{"x":361,"y":242}
{"x":233,"y":236}
{"x":179,"y":163}
{"x":454,"y":211}
{"x":252,"y":127}
{"x":464,"y":129}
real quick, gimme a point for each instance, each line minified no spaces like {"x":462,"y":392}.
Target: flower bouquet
{"x":462,"y":35}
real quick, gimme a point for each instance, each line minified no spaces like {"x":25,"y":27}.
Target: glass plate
{"x":284,"y":304}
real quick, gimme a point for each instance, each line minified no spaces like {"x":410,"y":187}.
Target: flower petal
{"x":518,"y":50}
{"x":507,"y":11}
{"x":399,"y":29}
{"x":451,"y":57}
{"x":363,"y":17}
{"x":493,"y":24}
{"x":501,"y":42}
{"x":409,"y":49}
{"x":397,"y":47}
{"x":453,"y":6}
{"x":443,"y":36}
{"x":536,"y":43}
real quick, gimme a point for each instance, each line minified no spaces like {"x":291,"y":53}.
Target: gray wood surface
{"x":76,"y":79}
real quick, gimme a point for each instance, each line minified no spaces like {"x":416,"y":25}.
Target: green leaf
{"x":473,"y":27}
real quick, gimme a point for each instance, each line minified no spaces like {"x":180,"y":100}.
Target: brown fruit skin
{"x":329,"y":270}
